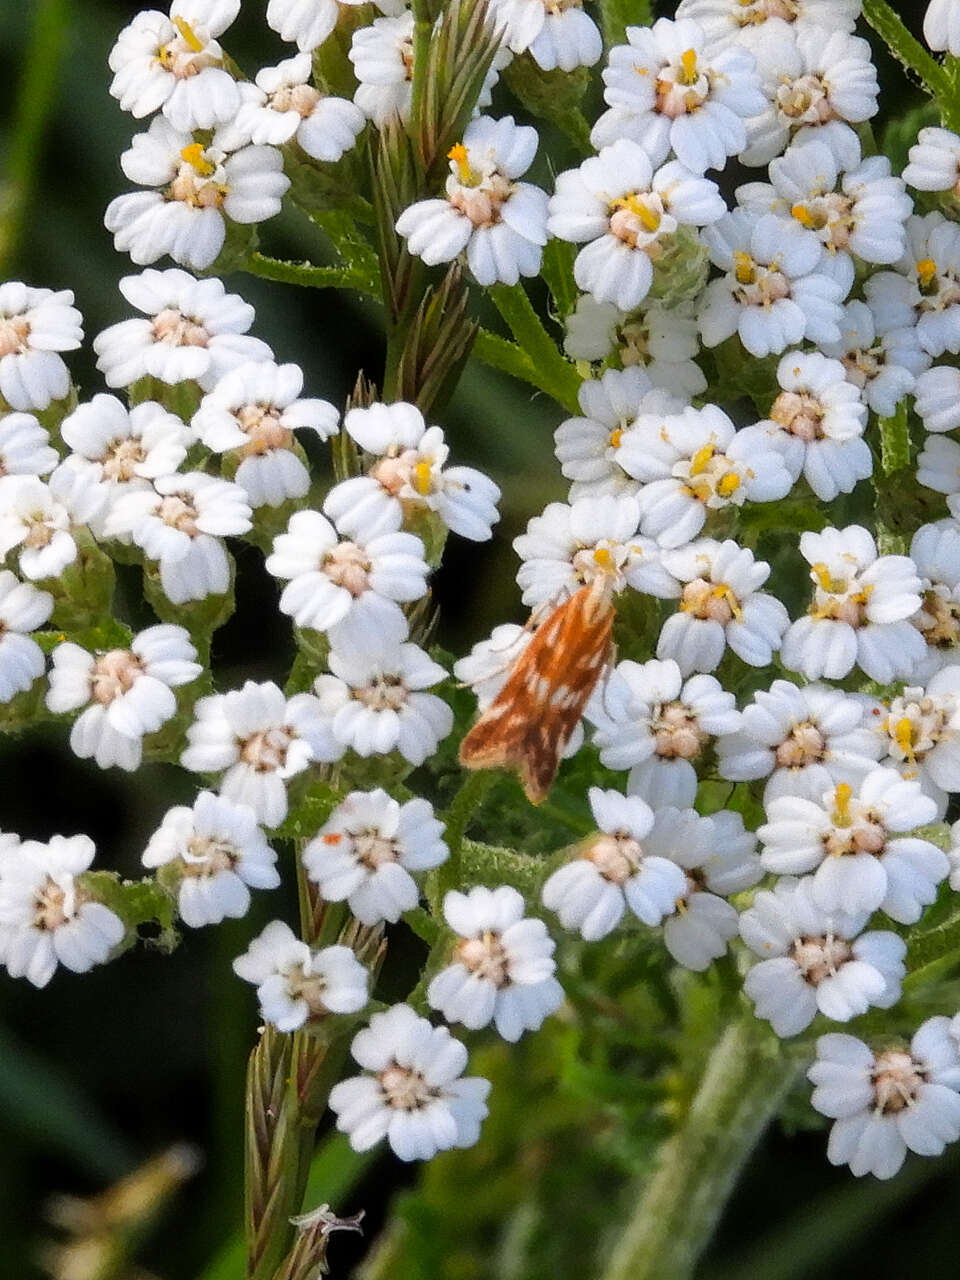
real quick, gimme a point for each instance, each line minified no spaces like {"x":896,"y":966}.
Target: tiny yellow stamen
{"x":701,"y":459}
{"x":729,"y":484}
{"x":458,"y":154}
{"x":195,"y":158}
{"x":421,"y":478}
{"x":602,"y":557}
{"x":681,"y":905}
{"x":616,"y":437}
{"x":802,"y":215}
{"x":926,"y":270}
{"x":688,"y":60}
{"x":743,"y":267}
{"x":822,"y":575}
{"x":187,"y":32}
{"x":634,"y":204}
{"x":723,"y":592}
{"x":841,"y":805}
{"x":903,"y":732}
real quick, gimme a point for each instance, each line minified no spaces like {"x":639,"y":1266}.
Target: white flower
{"x":668,"y":89}
{"x":925,"y":288}
{"x":176,"y":64}
{"x":283,"y":104}
{"x":859,"y":612}
{"x":937,"y":400}
{"x":179,"y":522}
{"x":307,"y":23}
{"x":350,"y":589}
{"x":409,"y":474}
{"x":851,"y":840}
{"x":257,"y":738}
{"x":377,"y":704}
{"x":919,"y":732}
{"x":622,"y":866}
{"x":498,"y":221}
{"x":941,"y":26}
{"x":934,"y":161}
{"x":382,"y":57}
{"x":570,"y":546}
{"x":36,"y":324}
{"x":295,"y":984}
{"x":252,"y":413}
{"x":127,"y":693}
{"x":938,"y":467}
{"x":719,"y":858}
{"x":503,"y":970}
{"x":802,"y":740}
{"x":116,"y":450}
{"x":820,"y":75}
{"x":192,"y":190}
{"x":48,"y":918}
{"x":935,"y":550}
{"x":365,"y":851}
{"x":191,"y":330}
{"x":953,"y":856}
{"x":720,"y":604}
{"x":817,"y":423}
{"x":752,"y":22}
{"x":33,"y":520}
{"x":414,"y":1094}
{"x":25,"y":448}
{"x":218,"y":853}
{"x":588,"y":447}
{"x":557,"y":36}
{"x":624,"y":214}
{"x":22,"y":609}
{"x":651,"y":721}
{"x":662,"y":340}
{"x":880,"y":352}
{"x":884,"y":1104}
{"x":860,"y":211}
{"x":812,"y":960}
{"x":774,"y":293}
{"x":694,"y":462}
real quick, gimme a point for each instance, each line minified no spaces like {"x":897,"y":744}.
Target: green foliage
{"x":555,"y":96}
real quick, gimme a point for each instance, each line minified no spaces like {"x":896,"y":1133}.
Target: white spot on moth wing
{"x":562,"y":696}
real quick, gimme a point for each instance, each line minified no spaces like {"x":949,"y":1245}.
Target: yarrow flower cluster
{"x":751,"y":698}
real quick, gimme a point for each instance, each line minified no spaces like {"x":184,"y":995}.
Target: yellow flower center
{"x":701,"y":459}
{"x":194,"y":157}
{"x":459,"y":157}
{"x":649,"y":218}
{"x":602,"y":557}
{"x":421,"y":478}
{"x":744,"y":267}
{"x":926,"y":271}
{"x":841,"y":805}
{"x":688,"y":60}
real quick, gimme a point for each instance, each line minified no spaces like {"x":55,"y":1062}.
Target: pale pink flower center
{"x":486,"y":957}
{"x":616,"y":856}
{"x":14,"y":335}
{"x":710,"y":601}
{"x":262,"y":426}
{"x":301,"y":98}
{"x":801,"y":415}
{"x":405,"y":1089}
{"x":267,"y":750}
{"x":373,"y":849}
{"x":114,"y":673}
{"x":803,"y":745}
{"x":206,"y":855}
{"x":385,"y":693}
{"x":677,"y":732}
{"x":897,"y":1078}
{"x":939,"y":618}
{"x":55,"y":902}
{"x":820,"y":957}
{"x":348,"y":566}
{"x":177,"y":330}
{"x":176,"y":511}
{"x":122,"y":459}
{"x":805,"y":100}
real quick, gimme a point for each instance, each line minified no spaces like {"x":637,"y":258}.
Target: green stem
{"x":746,"y":1078}
{"x":557,"y":376}
{"x":908,"y":50}
{"x":39,"y":86}
{"x":308,"y":275}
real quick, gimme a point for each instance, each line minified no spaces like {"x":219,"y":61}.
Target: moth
{"x":529,"y":723}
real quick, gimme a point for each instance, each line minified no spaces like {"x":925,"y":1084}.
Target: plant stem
{"x":746,"y":1078}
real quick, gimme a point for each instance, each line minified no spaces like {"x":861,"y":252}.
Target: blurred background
{"x":100,"y":1074}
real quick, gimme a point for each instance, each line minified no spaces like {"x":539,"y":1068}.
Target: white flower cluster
{"x":821,"y":278}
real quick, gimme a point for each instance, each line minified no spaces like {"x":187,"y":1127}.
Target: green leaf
{"x":617,"y":15}
{"x":308,"y":276}
{"x":895,"y":440}
{"x":552,"y":95}
{"x":557,"y":271}
{"x":909,"y":51}
{"x":307,"y":817}
{"x":556,"y":375}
